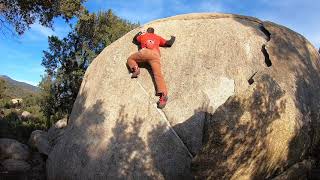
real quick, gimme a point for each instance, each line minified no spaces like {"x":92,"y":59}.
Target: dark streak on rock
{"x":251,"y":80}
{"x":266,"y":56}
{"x":263,"y":49}
{"x":266,"y":32}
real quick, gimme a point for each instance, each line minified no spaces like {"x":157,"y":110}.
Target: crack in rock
{"x":265,"y":32}
{"x":267,"y":59}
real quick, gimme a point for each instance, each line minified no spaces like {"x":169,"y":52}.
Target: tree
{"x":67,"y":59}
{"x":3,"y":88}
{"x":20,"y":14}
{"x":47,"y":101}
{"x":65,"y":63}
{"x":101,"y":29}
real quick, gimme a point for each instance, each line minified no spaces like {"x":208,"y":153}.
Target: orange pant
{"x":153,"y":58}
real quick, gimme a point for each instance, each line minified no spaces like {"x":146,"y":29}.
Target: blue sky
{"x":21,"y":57}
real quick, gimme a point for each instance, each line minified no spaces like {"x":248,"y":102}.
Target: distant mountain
{"x":16,"y":89}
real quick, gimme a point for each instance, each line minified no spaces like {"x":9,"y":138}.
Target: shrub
{"x":6,"y":103}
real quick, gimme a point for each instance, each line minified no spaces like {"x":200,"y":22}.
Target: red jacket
{"x":151,"y":41}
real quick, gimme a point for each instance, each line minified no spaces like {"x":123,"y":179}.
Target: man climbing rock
{"x":150,"y":53}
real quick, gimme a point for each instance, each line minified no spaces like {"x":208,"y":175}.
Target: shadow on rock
{"x":122,"y":149}
{"x":236,"y":135}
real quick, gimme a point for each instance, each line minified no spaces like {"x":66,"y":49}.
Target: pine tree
{"x":18,"y":15}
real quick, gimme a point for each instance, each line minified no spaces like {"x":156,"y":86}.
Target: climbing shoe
{"x":135,"y":72}
{"x":162,"y":101}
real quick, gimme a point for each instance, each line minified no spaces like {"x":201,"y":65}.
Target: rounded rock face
{"x":243,"y":102}
{"x":14,"y":165}
{"x":62,"y":123}
{"x":25,"y":115}
{"x":12,"y":149}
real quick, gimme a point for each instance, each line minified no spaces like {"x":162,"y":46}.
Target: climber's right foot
{"x":162,"y":101}
{"x":135,"y":72}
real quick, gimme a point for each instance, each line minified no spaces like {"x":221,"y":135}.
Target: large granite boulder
{"x":243,"y":104}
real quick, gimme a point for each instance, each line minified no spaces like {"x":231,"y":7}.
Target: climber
{"x":150,"y":53}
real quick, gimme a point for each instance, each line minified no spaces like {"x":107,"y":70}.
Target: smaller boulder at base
{"x":39,"y":139}
{"x":13,"y":165}
{"x":12,"y":149}
{"x":25,"y":115}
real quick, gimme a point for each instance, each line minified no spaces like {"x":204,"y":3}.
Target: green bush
{"x":6,"y":103}
{"x":12,"y":116}
{"x":12,"y":126}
